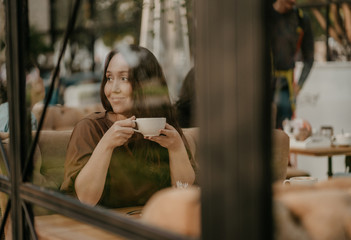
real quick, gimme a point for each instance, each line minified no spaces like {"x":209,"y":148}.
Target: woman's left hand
{"x":179,"y":163}
{"x":168,"y":138}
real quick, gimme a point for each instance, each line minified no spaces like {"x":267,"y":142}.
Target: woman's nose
{"x":116,"y":86}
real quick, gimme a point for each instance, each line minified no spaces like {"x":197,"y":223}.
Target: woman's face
{"x":118,"y":88}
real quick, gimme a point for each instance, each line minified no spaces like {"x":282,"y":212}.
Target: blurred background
{"x":161,"y":26}
{"x":166,"y":28}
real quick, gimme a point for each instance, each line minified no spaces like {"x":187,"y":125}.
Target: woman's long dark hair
{"x":150,"y":91}
{"x":185,"y":106}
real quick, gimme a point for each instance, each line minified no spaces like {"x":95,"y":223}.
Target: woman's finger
{"x":168,"y":132}
{"x":120,"y":129}
{"x":126,"y":122}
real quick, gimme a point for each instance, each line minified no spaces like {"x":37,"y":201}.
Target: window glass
{"x":156,"y":80}
{"x":322,"y":88}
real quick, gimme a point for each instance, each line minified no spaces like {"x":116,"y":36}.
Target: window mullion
{"x":16,"y":36}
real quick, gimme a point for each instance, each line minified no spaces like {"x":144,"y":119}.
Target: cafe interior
{"x":252,"y":179}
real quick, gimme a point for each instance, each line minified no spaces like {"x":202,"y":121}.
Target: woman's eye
{"x":109,"y":79}
{"x":124,"y":79}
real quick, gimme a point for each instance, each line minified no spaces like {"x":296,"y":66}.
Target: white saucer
{"x":341,"y":144}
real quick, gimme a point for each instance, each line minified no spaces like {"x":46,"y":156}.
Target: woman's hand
{"x":119,"y":132}
{"x":169,"y":138}
{"x":179,"y":163}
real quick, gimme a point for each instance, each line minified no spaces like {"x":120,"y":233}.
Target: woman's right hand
{"x":119,"y":132}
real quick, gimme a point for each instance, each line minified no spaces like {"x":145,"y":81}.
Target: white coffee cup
{"x":342,"y":139}
{"x":301,"y":181}
{"x":149,"y":126}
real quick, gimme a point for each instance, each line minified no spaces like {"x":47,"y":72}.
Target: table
{"x":56,"y":226}
{"x":324,"y":152}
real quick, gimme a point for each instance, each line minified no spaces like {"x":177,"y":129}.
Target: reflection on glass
{"x":126,"y":166}
{"x":82,"y":150}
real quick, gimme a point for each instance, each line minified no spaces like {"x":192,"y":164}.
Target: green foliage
{"x":37,"y":44}
{"x":317,"y":30}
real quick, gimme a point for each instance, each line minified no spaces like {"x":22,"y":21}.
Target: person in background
{"x":185,"y":105}
{"x":107,"y":162}
{"x":291,"y":38}
{"x":35,"y":88}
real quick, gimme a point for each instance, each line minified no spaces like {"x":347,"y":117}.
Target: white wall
{"x":325,"y":100}
{"x":39,"y":14}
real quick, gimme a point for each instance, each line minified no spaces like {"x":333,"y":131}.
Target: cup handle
{"x":286,"y":181}
{"x":136,"y":130}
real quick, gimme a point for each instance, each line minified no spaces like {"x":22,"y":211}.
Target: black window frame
{"x":236,"y":199}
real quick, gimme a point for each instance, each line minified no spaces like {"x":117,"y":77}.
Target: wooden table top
{"x":59,"y":227}
{"x":322,"y":151}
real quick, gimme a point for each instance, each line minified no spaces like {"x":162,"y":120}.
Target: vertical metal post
{"x":327,"y":11}
{"x":330,"y":167}
{"x":92,"y":10}
{"x":234,"y":116}
{"x":52,"y":22}
{"x":16,"y":56}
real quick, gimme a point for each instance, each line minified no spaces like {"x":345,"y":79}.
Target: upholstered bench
{"x":49,"y":161}
{"x":60,"y":117}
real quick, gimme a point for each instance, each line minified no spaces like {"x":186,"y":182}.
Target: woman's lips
{"x":117,"y":99}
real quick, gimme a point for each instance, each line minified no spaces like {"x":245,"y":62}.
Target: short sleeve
{"x":84,"y":139}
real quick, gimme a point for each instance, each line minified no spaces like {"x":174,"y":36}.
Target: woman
{"x":109,"y":164}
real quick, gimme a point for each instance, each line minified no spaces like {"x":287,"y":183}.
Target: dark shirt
{"x":291,"y":32}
